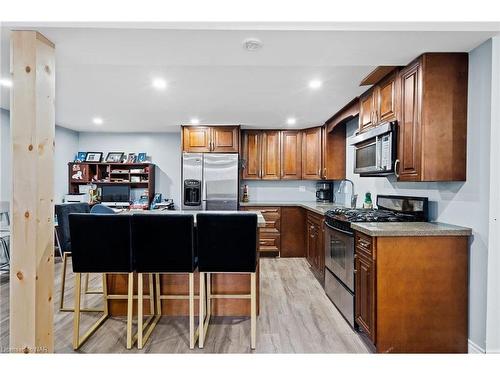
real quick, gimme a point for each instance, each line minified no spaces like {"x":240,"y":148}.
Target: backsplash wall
{"x":283,"y":191}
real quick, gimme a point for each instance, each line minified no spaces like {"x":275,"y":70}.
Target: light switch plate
{"x":302,"y":188}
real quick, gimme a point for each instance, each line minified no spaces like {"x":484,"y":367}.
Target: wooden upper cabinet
{"x":334,"y":152}
{"x":210,"y":139}
{"x":312,"y":153}
{"x":225,"y":138}
{"x":366,"y":111}
{"x":291,"y":155}
{"x":196,"y":139}
{"x":379,"y":104}
{"x":271,"y":155}
{"x":386,"y":99}
{"x":251,"y":154}
{"x":433,"y":121}
{"x":408,"y":164}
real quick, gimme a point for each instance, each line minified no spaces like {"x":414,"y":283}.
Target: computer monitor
{"x":115,"y":193}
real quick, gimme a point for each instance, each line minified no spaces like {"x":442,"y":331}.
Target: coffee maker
{"x":324,"y":192}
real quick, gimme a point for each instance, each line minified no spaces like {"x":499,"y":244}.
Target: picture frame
{"x":142,"y":157}
{"x":80,"y":157}
{"x":114,"y":157}
{"x":93,"y":157}
{"x":132,"y":158}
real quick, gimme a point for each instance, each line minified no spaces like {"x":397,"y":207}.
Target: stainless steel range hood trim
{"x":379,"y":130}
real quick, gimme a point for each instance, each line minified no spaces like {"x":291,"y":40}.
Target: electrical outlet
{"x":302,"y":188}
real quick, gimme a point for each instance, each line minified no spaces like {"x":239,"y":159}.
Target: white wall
{"x":164,"y":149}
{"x":65,"y":150}
{"x":460,"y":203}
{"x":493,"y":307}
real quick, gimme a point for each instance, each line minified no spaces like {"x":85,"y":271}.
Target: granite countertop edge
{"x":413,"y":229}
{"x":319,"y":208}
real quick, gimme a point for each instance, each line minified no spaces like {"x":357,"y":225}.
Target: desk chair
{"x":101,"y":209}
{"x":112,"y":253}
{"x":63,"y":239}
{"x":226,"y":243}
{"x":163,"y":244}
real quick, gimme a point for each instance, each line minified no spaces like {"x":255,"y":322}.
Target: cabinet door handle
{"x":324,"y":173}
{"x":396,"y":163}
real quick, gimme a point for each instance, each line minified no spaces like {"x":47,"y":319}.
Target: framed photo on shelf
{"x":80,"y":157}
{"x":142,"y":157}
{"x":132,"y":158}
{"x":114,"y":157}
{"x":93,"y":157}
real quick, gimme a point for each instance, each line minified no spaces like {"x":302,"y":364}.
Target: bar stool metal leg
{"x":63,"y":281}
{"x":130,"y":305}
{"x":65,"y":257}
{"x":153,"y":319}
{"x":253,"y":309}
{"x":87,"y":290}
{"x":191,"y":311}
{"x":77,"y":340}
{"x":201,"y":323}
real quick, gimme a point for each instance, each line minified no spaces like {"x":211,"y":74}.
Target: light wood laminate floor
{"x":295,"y":317}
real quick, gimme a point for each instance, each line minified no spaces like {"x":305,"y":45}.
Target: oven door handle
{"x":339,"y":230}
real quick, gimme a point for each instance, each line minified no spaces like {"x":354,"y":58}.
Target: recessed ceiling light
{"x":5,"y":82}
{"x":195,"y":121}
{"x":291,"y":121}
{"x":159,"y":84}
{"x":97,"y":121}
{"x":252,"y":44}
{"x":315,"y":84}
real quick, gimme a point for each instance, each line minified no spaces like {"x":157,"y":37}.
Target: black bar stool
{"x":163,"y":243}
{"x":101,"y":244}
{"x":63,"y":239}
{"x":227,"y":243}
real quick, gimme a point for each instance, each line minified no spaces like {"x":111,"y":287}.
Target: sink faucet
{"x":354,"y":197}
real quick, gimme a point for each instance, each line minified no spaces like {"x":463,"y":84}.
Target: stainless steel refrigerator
{"x":209,"y":181}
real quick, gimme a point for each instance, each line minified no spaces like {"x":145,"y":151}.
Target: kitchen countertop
{"x":261,"y":222}
{"x":319,"y":208}
{"x":410,"y":229}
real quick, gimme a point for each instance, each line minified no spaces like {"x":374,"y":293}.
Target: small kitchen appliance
{"x":324,"y":192}
{"x":375,"y":150}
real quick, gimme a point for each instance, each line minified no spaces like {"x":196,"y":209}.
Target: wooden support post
{"x":32,"y":204}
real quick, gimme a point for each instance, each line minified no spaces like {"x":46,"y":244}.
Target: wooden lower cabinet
{"x":315,"y":244}
{"x":270,"y":234}
{"x":293,"y":239}
{"x":412,"y":293}
{"x":364,"y":269}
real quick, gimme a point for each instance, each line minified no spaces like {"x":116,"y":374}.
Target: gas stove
{"x":391,"y":209}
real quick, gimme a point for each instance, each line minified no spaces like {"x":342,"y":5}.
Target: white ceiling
{"x":107,"y":71}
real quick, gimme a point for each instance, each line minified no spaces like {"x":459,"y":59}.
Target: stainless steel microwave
{"x":375,"y":150}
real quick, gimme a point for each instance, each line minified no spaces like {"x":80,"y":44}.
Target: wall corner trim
{"x":475,"y":349}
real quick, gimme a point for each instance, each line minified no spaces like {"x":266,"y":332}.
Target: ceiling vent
{"x":252,"y":44}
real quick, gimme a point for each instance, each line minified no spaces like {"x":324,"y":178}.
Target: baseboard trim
{"x":475,"y":349}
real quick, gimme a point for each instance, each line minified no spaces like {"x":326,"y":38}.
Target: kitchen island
{"x":177,"y":284}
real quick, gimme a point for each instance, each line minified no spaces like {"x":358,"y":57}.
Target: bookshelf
{"x":137,"y":175}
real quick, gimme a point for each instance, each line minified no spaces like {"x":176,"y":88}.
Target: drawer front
{"x":364,"y":244}
{"x":272,"y":215}
{"x":316,"y":219}
{"x":269,"y":242}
